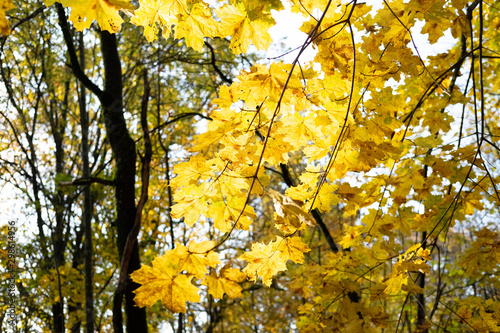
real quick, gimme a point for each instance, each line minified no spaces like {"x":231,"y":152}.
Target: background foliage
{"x":354,"y":192}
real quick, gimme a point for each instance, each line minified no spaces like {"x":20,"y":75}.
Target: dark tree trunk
{"x":58,"y":124}
{"x":123,"y":148}
{"x":125,"y":156}
{"x":420,"y":281}
{"x":87,"y":201}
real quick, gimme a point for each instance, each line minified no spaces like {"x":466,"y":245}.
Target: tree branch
{"x":315,"y":213}
{"x":87,"y":181}
{"x":27,"y":18}
{"x":179,"y":117}
{"x":214,"y":65}
{"x":75,"y":64}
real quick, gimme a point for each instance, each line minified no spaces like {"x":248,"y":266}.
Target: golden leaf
{"x":162,"y":282}
{"x":289,"y":214}
{"x":84,"y":12}
{"x":268,"y":260}
{"x":225,"y":283}
{"x":5,"y":5}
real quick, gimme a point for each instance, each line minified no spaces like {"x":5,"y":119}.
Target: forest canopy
{"x":176,"y":178}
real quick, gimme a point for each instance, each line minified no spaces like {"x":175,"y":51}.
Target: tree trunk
{"x":58,"y":201}
{"x":420,"y":282}
{"x":125,"y":156}
{"x":87,"y":201}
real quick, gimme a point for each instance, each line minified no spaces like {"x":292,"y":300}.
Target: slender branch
{"x":27,"y":18}
{"x":179,"y":117}
{"x":481,"y":77}
{"x":87,"y":201}
{"x":343,"y":131}
{"x":462,"y":319}
{"x":214,"y":65}
{"x":439,"y":293}
{"x":75,"y":64}
{"x":87,"y":181}
{"x":430,"y":89}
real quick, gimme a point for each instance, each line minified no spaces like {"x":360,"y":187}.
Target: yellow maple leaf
{"x":353,"y":236}
{"x":173,"y":292}
{"x":226,"y":282}
{"x":221,"y":216}
{"x":408,"y":262}
{"x":190,"y":172}
{"x":395,"y":283}
{"x":84,"y":12}
{"x":295,"y":130}
{"x":235,"y":22}
{"x":326,"y":198}
{"x":155,"y":14}
{"x":293,"y":249}
{"x":226,"y":97}
{"x":196,"y":264}
{"x":268,"y":260}
{"x":264,"y":261}
{"x":162,"y":282}
{"x":268,"y":82}
{"x":484,"y":252}
{"x":225,"y":213}
{"x":190,"y":204}
{"x":201,"y":248}
{"x":396,"y":29}
{"x":5,"y":5}
{"x":234,"y":17}
{"x":290,"y":216}
{"x":199,"y":258}
{"x":194,"y":26}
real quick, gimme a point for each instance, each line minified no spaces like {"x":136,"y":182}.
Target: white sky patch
{"x":287,"y":36}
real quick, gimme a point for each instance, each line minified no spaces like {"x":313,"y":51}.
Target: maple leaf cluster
{"x":385,"y":169}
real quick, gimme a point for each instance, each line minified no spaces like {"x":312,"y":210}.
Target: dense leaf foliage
{"x":361,"y":187}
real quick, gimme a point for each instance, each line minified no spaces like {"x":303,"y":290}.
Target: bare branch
{"x":87,"y":181}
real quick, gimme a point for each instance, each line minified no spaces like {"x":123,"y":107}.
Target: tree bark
{"x":125,"y":156}
{"x":58,"y":124}
{"x":420,"y":282}
{"x":87,"y":202}
{"x":123,"y":148}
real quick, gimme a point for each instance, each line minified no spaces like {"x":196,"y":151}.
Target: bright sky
{"x":286,"y":35}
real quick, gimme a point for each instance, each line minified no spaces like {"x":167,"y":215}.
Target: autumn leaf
{"x":84,"y":12}
{"x":483,"y":253}
{"x":164,"y":280}
{"x":226,"y":282}
{"x":235,"y":22}
{"x":289,"y":214}
{"x":173,"y":291}
{"x":266,"y":261}
{"x":194,"y":25}
{"x":201,"y":248}
{"x":5,"y":5}
{"x":190,"y":204}
{"x":225,"y":214}
{"x":292,"y":248}
{"x":156,"y":14}
{"x":413,"y":260}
